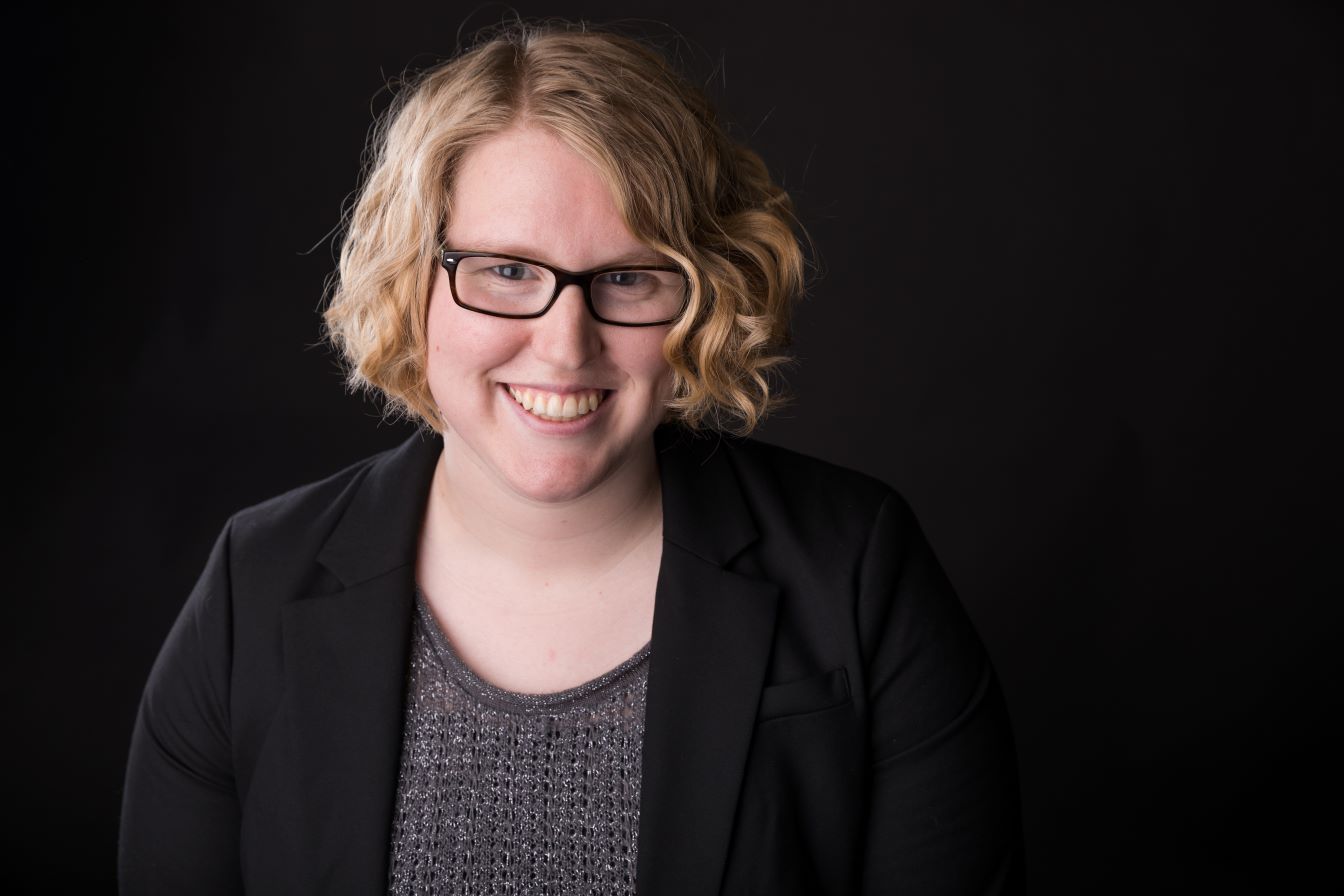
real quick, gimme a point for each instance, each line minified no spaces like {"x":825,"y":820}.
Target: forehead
{"x":526,"y":192}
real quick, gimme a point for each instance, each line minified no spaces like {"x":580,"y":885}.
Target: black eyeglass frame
{"x":583,"y":279}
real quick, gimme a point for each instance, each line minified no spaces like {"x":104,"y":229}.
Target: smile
{"x":553,"y":406}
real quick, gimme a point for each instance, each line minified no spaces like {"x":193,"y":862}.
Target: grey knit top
{"x":501,"y":792}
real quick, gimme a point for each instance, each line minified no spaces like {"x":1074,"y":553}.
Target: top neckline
{"x":581,"y":694}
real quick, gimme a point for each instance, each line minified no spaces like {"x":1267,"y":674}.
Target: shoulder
{"x":780,"y":483}
{"x":799,"y":509}
{"x":808,"y":479}
{"x":324,"y":501}
{"x":314,"y":506}
{"x":374,"y":503}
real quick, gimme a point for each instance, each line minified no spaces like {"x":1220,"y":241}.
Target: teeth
{"x":550,"y":406}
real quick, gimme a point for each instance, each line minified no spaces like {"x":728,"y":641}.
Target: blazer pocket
{"x":813,"y":694}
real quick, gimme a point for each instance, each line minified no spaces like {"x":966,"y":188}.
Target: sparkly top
{"x":501,"y":792}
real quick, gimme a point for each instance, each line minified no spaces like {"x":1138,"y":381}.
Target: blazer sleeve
{"x":180,"y":814}
{"x":944,"y":813}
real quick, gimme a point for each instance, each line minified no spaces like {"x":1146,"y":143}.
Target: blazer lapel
{"x":712,"y":632}
{"x":346,"y":656}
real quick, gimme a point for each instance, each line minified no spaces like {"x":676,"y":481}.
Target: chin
{"x":556,"y":481}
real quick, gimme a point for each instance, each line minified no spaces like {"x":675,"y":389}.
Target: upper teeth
{"x":550,"y":406}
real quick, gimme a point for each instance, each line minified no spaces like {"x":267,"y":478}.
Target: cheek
{"x":663,"y":389}
{"x":461,"y":344}
{"x":441,"y":348}
{"x":643,"y":356}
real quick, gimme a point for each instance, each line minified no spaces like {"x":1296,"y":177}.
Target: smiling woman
{"x":525,"y":191}
{"x":571,"y":638}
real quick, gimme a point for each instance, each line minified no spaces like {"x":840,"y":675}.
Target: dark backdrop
{"x":1077,"y":271}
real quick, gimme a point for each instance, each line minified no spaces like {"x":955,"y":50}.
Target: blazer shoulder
{"x":753,"y":452}
{"x":304,"y":507}
{"x":808,"y":485}
{"x":730,"y":490}
{"x":355,"y":523}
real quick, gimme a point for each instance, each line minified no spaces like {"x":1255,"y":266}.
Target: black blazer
{"x":821,"y":716}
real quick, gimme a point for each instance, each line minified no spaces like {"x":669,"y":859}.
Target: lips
{"x":555,"y":406}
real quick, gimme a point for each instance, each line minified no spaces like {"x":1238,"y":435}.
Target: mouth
{"x":554,"y":406}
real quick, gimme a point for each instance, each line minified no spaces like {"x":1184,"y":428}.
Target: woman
{"x":561,"y":643}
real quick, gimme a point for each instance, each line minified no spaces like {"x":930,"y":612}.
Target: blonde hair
{"x":682,"y":186}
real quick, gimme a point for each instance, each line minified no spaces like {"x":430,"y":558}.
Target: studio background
{"x":1075,"y":291}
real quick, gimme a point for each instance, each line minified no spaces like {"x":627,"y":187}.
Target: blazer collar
{"x":703,"y":508}
{"x":347,"y":655}
{"x":380,"y":529}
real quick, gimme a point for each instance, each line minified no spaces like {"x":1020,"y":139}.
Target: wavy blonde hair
{"x":683,"y":187}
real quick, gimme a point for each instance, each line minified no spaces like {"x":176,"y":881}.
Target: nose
{"x":567,"y":336}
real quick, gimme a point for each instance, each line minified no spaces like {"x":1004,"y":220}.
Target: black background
{"x":1075,"y":295}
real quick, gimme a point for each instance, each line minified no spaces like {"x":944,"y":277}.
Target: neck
{"x":472,"y":506}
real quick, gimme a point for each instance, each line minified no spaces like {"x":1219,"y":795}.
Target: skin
{"x":541,"y":544}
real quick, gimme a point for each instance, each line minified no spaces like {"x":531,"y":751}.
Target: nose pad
{"x":567,"y":335}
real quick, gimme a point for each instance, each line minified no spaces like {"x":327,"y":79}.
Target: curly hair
{"x":681,"y":184}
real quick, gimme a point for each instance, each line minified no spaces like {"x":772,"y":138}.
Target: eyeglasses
{"x":509,"y":286}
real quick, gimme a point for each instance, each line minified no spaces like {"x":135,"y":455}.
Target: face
{"x":525,"y":193}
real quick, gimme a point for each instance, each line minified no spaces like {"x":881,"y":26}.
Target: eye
{"x":511,"y":271}
{"x":627,"y":279}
